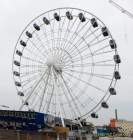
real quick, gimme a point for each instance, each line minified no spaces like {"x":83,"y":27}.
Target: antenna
{"x":121,"y":9}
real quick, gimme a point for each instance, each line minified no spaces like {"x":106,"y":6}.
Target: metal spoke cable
{"x":33,"y":53}
{"x":86,"y":82}
{"x":33,"y":60}
{"x":77,"y":33}
{"x":34,"y":45}
{"x":42,"y":44}
{"x":33,"y":66}
{"x":67,"y":98}
{"x":33,"y":90}
{"x":45,"y":88}
{"x":23,"y":74}
{"x":83,"y":39}
{"x":69,"y":91}
{"x":71,"y":38}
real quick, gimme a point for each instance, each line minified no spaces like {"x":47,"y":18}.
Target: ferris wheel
{"x":66,"y":64}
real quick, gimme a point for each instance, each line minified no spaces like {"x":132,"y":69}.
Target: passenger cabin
{"x":16,"y":73}
{"x":105,"y":31}
{"x":20,"y":93}
{"x":117,"y":75}
{"x":17,"y":63}
{"x":57,"y":17}
{"x":19,"y":53}
{"x":37,"y":27}
{"x":69,"y":15}
{"x":112,"y":44}
{"x":112,"y":91}
{"x":22,"y":43}
{"x":26,"y":103}
{"x":94,"y":22}
{"x":28,"y":34}
{"x":18,"y":84}
{"x":46,"y":21}
{"x":117,"y":59}
{"x":82,"y":17}
{"x":94,"y":115}
{"x":104,"y":105}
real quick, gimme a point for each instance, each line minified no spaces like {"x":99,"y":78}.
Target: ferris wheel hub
{"x":56,"y":63}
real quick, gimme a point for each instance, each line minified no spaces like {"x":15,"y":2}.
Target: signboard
{"x":23,"y":120}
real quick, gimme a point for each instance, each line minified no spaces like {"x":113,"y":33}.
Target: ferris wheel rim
{"x":74,"y":9}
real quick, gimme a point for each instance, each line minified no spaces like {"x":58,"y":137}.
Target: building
{"x":27,"y":125}
{"x":125,"y":127}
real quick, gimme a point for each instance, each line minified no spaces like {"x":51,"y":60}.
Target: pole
{"x":116,"y":115}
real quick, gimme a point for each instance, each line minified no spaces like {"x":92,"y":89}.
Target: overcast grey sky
{"x":16,"y":14}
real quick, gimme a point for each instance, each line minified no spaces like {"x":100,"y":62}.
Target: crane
{"x":121,"y":9}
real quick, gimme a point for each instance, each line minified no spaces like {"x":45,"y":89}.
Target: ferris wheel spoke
{"x":91,"y":55}
{"x":67,"y":98}
{"x":60,"y":109}
{"x":95,"y":65}
{"x":79,"y":96}
{"x":27,"y":81}
{"x":61,"y":28}
{"x":28,"y":73}
{"x":102,"y":48}
{"x":76,"y":51}
{"x":103,"y":53}
{"x":38,"y":49}
{"x":33,"y":60}
{"x":72,"y":36}
{"x":61,"y":41}
{"x":40,"y":87}
{"x":63,"y":109}
{"x":51,"y":94}
{"x":72,"y":112}
{"x":76,"y":33}
{"x":84,"y":48}
{"x":96,"y":38}
{"x":32,"y":66}
{"x":49,"y":102}
{"x":68,"y":30}
{"x":90,"y":45}
{"x":52,"y":33}
{"x":46,"y":100}
{"x":86,"y":82}
{"x":98,"y":63}
{"x":26,"y":90}
{"x":92,"y":33}
{"x":34,"y":101}
{"x":62,"y":105}
{"x":71,"y":52}
{"x":42,"y":44}
{"x":83,"y":38}
{"x":69,"y":91}
{"x":109,"y":77}
{"x":35,"y":55}
{"x":58,"y":32}
{"x":44,"y":91}
{"x":46,"y":37}
{"x":30,"y":94}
